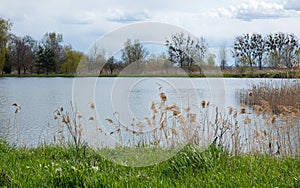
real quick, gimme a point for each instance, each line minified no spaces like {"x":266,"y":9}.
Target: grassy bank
{"x":54,"y":166}
{"x":259,"y":74}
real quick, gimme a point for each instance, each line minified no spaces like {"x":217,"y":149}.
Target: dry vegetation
{"x":266,"y":123}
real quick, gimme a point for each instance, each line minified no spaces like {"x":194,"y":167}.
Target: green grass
{"x":57,"y":166}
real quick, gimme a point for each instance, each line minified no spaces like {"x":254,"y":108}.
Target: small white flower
{"x":95,"y":168}
{"x":58,"y":170}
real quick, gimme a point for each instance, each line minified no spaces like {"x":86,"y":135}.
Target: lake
{"x":97,"y":99}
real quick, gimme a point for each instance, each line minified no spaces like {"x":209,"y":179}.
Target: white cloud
{"x":292,"y":5}
{"x":250,"y":10}
{"x":82,"y":22}
{"x":122,"y":16}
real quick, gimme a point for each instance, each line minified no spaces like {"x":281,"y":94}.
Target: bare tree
{"x":258,"y":47}
{"x":186,"y":51}
{"x":289,"y":50}
{"x":134,"y":52}
{"x":242,"y":50}
{"x":22,"y":53}
{"x":282,"y":47}
{"x":223,"y":57}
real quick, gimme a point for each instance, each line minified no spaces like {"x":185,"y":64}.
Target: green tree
{"x":71,"y":60}
{"x":5,"y":27}
{"x":51,"y":52}
{"x":46,"y":60}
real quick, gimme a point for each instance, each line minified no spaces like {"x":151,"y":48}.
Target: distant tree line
{"x":25,"y":55}
{"x":273,"y":50}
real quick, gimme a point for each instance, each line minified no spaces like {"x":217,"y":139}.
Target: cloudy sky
{"x":82,"y":22}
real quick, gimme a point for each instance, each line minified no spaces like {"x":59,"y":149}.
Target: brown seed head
{"x":243,"y":110}
{"x":203,"y":104}
{"x":163,"y":96}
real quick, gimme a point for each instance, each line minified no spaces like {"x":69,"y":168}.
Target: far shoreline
{"x":267,"y":74}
